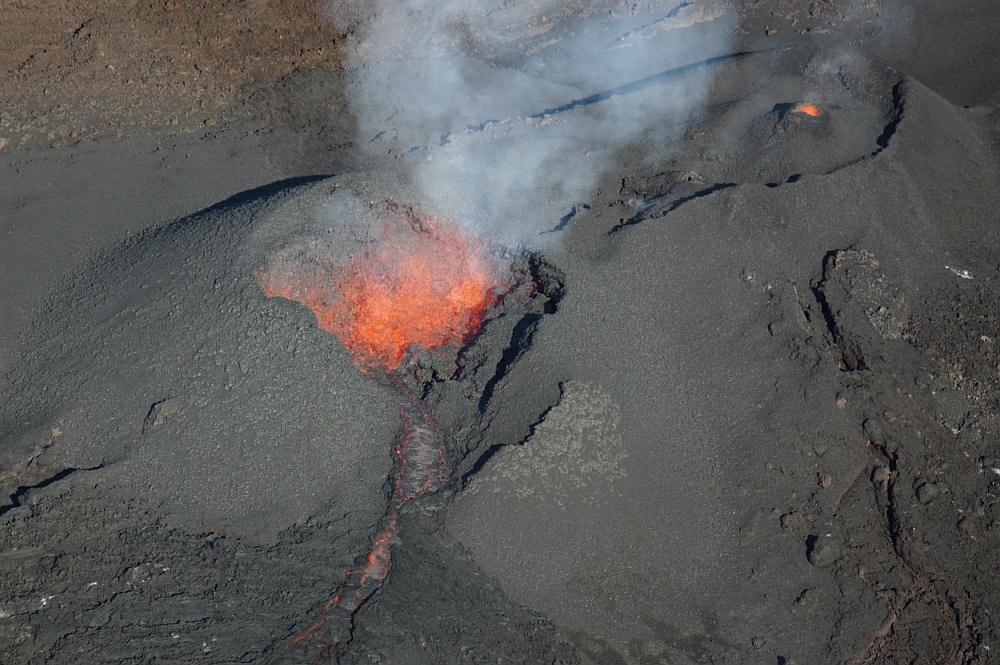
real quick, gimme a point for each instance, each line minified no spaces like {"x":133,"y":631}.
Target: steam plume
{"x":437,"y":81}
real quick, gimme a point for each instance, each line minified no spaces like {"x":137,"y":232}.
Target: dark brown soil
{"x":80,"y":70}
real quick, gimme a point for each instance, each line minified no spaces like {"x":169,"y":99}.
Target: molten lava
{"x":808,"y":109}
{"x":426,"y":286}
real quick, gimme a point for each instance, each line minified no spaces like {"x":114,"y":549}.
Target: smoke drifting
{"x":436,"y":84}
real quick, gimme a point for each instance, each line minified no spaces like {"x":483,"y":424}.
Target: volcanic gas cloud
{"x":417,"y":284}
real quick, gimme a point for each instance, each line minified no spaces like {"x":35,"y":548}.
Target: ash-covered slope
{"x":226,"y":459}
{"x":166,"y":370}
{"x":749,"y":411}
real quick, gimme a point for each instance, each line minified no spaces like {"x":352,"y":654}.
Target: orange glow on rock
{"x":379,"y":560}
{"x":427,"y":285}
{"x":808,"y":109}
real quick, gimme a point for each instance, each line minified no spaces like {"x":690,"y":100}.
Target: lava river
{"x":423,"y":285}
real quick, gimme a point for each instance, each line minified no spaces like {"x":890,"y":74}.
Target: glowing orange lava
{"x":427,"y":285}
{"x":808,"y":109}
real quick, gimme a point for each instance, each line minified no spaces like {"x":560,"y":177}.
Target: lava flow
{"x":423,"y":286}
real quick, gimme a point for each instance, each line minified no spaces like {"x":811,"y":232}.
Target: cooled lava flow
{"x":424,"y":285}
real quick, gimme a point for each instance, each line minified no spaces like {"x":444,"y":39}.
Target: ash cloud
{"x":498,"y":110}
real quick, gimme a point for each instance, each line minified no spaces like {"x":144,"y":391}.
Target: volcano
{"x":647,"y":364}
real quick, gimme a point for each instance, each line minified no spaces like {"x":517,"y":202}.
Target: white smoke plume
{"x":508,"y":112}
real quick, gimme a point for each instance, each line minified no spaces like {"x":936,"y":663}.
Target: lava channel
{"x":427,"y":287}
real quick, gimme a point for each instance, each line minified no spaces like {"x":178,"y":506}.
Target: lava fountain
{"x":419,"y":285}
{"x":806,"y":108}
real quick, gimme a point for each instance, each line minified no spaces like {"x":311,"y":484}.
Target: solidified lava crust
{"x":425,"y":455}
{"x":425,"y":465}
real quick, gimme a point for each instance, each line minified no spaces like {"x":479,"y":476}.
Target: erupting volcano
{"x":418,"y":285}
{"x":425,"y":285}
